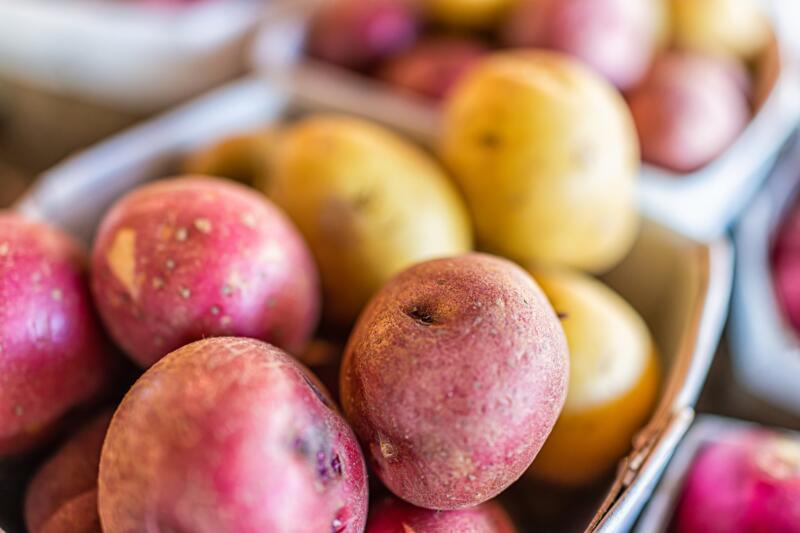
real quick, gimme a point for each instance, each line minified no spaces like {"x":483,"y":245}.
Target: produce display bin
{"x":132,"y":55}
{"x":702,"y":204}
{"x":764,"y":346}
{"x":707,"y":429}
{"x":680,"y":287}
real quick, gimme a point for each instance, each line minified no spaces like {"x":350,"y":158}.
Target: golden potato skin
{"x":546,"y":154}
{"x":468,"y":14}
{"x":244,"y":157}
{"x":613,"y":384}
{"x":369,"y":204}
{"x":733,"y":27}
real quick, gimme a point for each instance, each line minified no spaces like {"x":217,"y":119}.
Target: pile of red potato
{"x":334,"y":234}
{"x":691,"y":70}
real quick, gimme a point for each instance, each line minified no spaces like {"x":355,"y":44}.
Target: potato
{"x":395,"y":516}
{"x":244,"y":157}
{"x":453,"y":377}
{"x":368,"y":203}
{"x":230,"y":434}
{"x":613,"y":382}
{"x":470,"y":14}
{"x":62,"y":496}
{"x":689,"y":110}
{"x":194,"y":257}
{"x":739,"y":28}
{"x":433,"y":66}
{"x":546,"y":154}
{"x":617,"y":38}
{"x":53,"y":355}
{"x":358,"y":33}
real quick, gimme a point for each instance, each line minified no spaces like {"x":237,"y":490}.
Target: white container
{"x":706,"y":430}
{"x":125,"y":54}
{"x":680,"y":287}
{"x":701,"y":204}
{"x":764,"y":346}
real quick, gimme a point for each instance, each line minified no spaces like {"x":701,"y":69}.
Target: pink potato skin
{"x":356,"y":33}
{"x":53,"y":356}
{"x":193,"y":257}
{"x":608,"y":35}
{"x":432,"y":67}
{"x":689,"y":109}
{"x":230,"y":434}
{"x":453,"y":378}
{"x":745,"y":484}
{"x":62,"y":496}
{"x":395,"y":516}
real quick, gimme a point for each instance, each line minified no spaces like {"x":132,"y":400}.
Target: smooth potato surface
{"x":546,"y":154}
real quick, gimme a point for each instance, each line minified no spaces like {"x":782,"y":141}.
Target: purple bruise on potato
{"x":395,"y":516}
{"x":357,"y":33}
{"x":53,"y":356}
{"x":230,"y":434}
{"x":194,"y":257}
{"x":433,"y":66}
{"x":62,"y":496}
{"x":689,"y":109}
{"x":453,"y":378}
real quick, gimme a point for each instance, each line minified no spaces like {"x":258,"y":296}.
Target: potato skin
{"x":245,"y":157}
{"x":433,"y":66}
{"x":53,"y":355}
{"x":356,"y":34}
{"x":738,"y":28}
{"x":62,"y":496}
{"x":546,"y":154}
{"x":617,"y":38}
{"x":368,"y":203}
{"x":395,"y":516}
{"x":689,"y":110}
{"x":613,"y":385}
{"x":467,"y":14}
{"x":453,"y":377}
{"x":230,"y":434}
{"x":193,"y":257}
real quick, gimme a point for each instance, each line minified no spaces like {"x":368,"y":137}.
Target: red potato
{"x":748,"y":483}
{"x":230,"y":434}
{"x":786,"y":266}
{"x":53,"y":356}
{"x":453,"y":378}
{"x":395,"y":516}
{"x":194,"y":257}
{"x":617,"y":38}
{"x":433,"y":66}
{"x":62,"y":496}
{"x":357,"y":33}
{"x":689,"y":109}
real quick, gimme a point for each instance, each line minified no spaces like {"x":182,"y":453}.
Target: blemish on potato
{"x":56,"y":295}
{"x":562,"y":315}
{"x":3,"y":248}
{"x":249,"y":220}
{"x":225,"y":321}
{"x":387,"y":448}
{"x":226,"y":290}
{"x":170,"y":264}
{"x":214,"y":310}
{"x":181,"y":234}
{"x":121,"y":260}
{"x":19,"y":410}
{"x":408,"y":529}
{"x":185,"y":293}
{"x":158,"y":283}
{"x":203,"y":225}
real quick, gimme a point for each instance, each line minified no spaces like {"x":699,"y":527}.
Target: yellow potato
{"x":468,"y":13}
{"x":613,"y":383}
{"x":369,"y":204}
{"x":734,"y":27}
{"x":547,"y":156}
{"x":244,"y":157}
